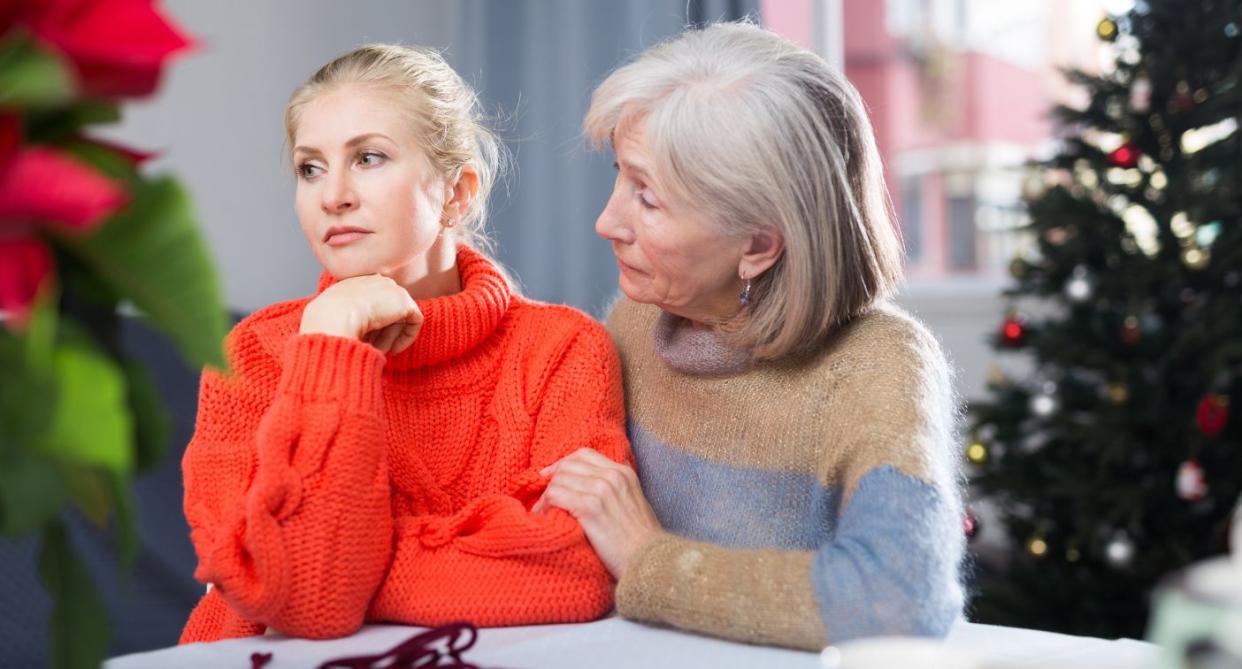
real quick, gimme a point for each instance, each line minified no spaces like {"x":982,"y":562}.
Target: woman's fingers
{"x":365,"y":308}
{"x":620,"y":478}
{"x":395,"y":319}
{"x":383,"y":338}
{"x":612,"y":511}
{"x":407,"y":332}
{"x":587,"y":456}
{"x":577,"y":495}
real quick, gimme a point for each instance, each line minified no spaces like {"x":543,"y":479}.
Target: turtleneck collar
{"x":454,"y":324}
{"x":696,"y":351}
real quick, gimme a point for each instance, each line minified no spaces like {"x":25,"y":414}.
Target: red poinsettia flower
{"x":40,"y":186}
{"x":117,"y":47}
{"x":24,"y":264}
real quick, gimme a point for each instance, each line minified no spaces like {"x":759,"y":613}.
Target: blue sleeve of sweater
{"x":891,"y":567}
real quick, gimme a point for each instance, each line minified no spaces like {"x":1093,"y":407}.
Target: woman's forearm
{"x":304,"y":547}
{"x":761,"y":596}
{"x":494,"y":563}
{"x":890,"y":567}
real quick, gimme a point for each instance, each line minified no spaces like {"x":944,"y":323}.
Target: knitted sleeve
{"x":495,"y":562}
{"x":286,"y":487}
{"x":890,"y":564}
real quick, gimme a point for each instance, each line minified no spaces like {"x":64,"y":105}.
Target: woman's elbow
{"x":919,"y":611}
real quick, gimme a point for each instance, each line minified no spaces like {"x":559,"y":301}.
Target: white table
{"x":614,"y":642}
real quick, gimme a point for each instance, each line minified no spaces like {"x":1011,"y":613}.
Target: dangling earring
{"x":744,"y":298}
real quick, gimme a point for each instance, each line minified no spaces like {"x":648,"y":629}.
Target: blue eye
{"x":305,"y":170}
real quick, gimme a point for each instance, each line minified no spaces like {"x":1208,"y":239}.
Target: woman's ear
{"x":762,"y":250}
{"x":461,"y":194}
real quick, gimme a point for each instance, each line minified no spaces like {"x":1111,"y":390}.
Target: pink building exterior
{"x":954,"y":126}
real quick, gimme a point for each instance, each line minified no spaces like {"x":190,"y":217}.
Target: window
{"x":912,"y":217}
{"x":963,"y":241}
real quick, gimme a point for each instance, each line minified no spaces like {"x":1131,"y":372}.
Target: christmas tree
{"x":1113,"y":456}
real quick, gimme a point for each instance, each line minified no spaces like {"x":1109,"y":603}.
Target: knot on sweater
{"x":434,"y":532}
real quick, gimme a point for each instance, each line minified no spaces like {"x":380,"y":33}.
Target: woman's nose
{"x":338,"y":194}
{"x":611,"y":224}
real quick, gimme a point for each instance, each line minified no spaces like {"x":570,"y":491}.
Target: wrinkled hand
{"x":608,"y":502}
{"x":371,"y":308}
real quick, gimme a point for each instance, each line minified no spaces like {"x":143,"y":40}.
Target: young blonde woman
{"x":375,"y":449}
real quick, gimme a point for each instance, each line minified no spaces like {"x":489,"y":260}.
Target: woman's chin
{"x":347,"y":270}
{"x":633,"y":290}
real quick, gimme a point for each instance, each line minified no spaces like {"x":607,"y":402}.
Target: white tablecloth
{"x":614,"y":642}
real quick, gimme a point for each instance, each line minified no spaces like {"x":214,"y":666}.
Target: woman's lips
{"x":340,"y":236}
{"x":628,"y":268}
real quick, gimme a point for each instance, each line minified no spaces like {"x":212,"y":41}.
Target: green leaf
{"x":91,"y":424}
{"x":31,"y":76}
{"x":126,"y":529}
{"x":79,"y":624}
{"x":153,"y":255}
{"x":40,"y":333}
{"x":31,"y":487}
{"x":107,"y":161}
{"x":28,"y":393}
{"x":31,"y":493}
{"x":152,"y":425}
{"x":57,"y":124}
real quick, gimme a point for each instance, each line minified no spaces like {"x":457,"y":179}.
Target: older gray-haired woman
{"x":793,"y":429}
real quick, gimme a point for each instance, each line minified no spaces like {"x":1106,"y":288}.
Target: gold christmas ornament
{"x":1106,"y":29}
{"x":1118,"y":393}
{"x":977,"y":453}
{"x":1195,"y":258}
{"x":1037,"y":547}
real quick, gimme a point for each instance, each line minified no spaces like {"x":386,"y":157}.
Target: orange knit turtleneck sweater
{"x":328,"y":485}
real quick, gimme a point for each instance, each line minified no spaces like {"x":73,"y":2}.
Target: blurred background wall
{"x":957,"y":90}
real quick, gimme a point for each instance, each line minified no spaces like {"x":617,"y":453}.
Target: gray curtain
{"x":536,"y":63}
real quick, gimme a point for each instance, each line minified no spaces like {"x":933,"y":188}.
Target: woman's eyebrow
{"x":636,"y":169}
{"x":349,"y":144}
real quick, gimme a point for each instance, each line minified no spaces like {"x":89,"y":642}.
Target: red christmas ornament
{"x":1013,"y":330}
{"x":1191,"y":484}
{"x":970,"y":524}
{"x":1213,"y":414}
{"x":1126,"y":156}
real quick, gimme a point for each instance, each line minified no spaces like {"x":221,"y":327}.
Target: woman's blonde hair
{"x":763,"y":135}
{"x":445,"y":112}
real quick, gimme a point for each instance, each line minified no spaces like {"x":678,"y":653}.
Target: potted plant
{"x":84,"y":235}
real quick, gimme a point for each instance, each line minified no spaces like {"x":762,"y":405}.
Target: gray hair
{"x":763,"y":135}
{"x":445,"y":112}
